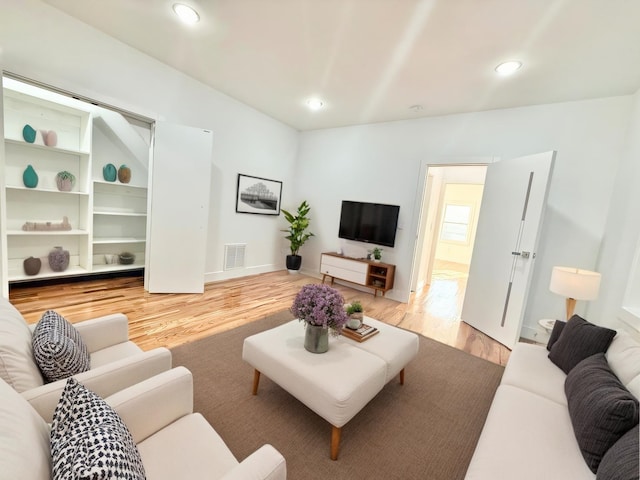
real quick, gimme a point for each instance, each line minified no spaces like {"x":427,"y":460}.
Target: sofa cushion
{"x":17,"y":366}
{"x":623,"y":356}
{"x":558,"y":326}
{"x":187,"y":448}
{"x":58,"y":348}
{"x":601,"y":409}
{"x":89,"y":440}
{"x":621,"y":462}
{"x":526,"y":437}
{"x":24,"y":438}
{"x":579,"y":339}
{"x":530,"y":369}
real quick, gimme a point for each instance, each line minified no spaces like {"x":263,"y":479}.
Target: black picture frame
{"x":258,"y":196}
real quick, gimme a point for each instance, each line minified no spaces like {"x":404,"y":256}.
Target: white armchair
{"x":174,"y":442}
{"x":116,"y":362}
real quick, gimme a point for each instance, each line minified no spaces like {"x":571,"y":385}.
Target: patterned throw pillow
{"x":58,"y":348}
{"x":89,"y":440}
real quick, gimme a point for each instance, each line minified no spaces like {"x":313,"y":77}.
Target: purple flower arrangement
{"x":319,"y":304}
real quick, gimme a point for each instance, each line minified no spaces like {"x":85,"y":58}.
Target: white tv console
{"x":376,"y":275}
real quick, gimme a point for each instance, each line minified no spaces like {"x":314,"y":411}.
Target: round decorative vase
{"x":126,"y":258}
{"x":64,"y":184}
{"x":29,"y":134}
{"x":50,"y":138}
{"x":30,"y":177}
{"x":316,"y":338}
{"x":58,"y":259}
{"x":355,"y":320}
{"x":124,"y":174}
{"x":32,"y":265}
{"x":109,"y":172}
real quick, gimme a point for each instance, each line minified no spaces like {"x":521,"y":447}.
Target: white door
{"x":179,"y":209}
{"x":513,"y":205}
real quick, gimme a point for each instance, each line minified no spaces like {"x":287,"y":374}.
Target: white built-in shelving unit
{"x":107,"y":218}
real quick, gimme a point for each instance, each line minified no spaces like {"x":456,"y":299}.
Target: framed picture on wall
{"x":257,"y":195}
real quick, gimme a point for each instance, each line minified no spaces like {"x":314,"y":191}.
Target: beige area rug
{"x":426,"y":429}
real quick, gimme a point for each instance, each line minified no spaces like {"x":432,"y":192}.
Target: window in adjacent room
{"x":456,"y":223}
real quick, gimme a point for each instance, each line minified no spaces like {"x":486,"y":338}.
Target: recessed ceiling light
{"x":507,"y":68}
{"x":186,"y":14}
{"x":315,"y":103}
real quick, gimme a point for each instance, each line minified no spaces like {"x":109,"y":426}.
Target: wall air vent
{"x":234,"y":255}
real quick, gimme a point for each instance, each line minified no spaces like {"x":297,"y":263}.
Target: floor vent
{"x":234,"y":255}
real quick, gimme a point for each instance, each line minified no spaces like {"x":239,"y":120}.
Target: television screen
{"x":369,"y":222}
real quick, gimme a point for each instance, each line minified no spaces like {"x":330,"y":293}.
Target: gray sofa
{"x":529,"y":433}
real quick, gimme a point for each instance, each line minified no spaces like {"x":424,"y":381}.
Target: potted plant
{"x":65,"y":181}
{"x":297,"y":234}
{"x":356,"y":314}
{"x":377,"y":254}
{"x":321,"y":308}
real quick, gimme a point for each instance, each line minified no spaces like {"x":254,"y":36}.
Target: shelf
{"x":44,"y":190}
{"x":103,"y":268}
{"x":20,"y":276}
{"x":376,"y":275}
{"x":40,"y":233}
{"x":119,"y":185}
{"x":120,"y":214}
{"x":64,"y":151}
{"x":114,"y":240}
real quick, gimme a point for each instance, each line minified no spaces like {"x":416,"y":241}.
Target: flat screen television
{"x":369,"y":222}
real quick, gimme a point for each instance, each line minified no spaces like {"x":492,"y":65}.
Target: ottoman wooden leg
{"x":335,"y":441}
{"x":402,"y":377}
{"x":256,"y":381}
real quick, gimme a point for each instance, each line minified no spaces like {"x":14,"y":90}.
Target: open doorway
{"x":450,"y":211}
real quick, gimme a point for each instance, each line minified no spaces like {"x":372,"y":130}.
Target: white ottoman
{"x":326,"y":383}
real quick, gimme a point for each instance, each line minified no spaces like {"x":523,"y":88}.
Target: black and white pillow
{"x":58,"y":348}
{"x":89,"y":440}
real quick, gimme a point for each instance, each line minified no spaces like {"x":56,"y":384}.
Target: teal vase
{"x":29,"y":134}
{"x":30,"y":177}
{"x":109,"y":172}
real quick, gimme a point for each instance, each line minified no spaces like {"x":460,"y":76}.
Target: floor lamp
{"x":575,"y":284}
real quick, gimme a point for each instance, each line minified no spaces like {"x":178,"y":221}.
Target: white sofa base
{"x":528,"y":432}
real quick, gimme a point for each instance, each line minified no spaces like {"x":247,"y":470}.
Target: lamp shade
{"x":575,"y":283}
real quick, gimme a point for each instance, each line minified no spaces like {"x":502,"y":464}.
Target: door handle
{"x":523,"y":254}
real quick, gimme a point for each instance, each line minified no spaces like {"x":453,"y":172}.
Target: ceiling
{"x":371,"y":60}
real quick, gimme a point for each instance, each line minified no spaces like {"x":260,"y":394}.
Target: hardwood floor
{"x":172,"y":319}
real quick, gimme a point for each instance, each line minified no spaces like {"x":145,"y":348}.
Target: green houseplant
{"x":376,"y":253}
{"x":297,"y":234}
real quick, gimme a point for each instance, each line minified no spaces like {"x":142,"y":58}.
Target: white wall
{"x":382,"y":163}
{"x":41,"y":43}
{"x":622,"y":230}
